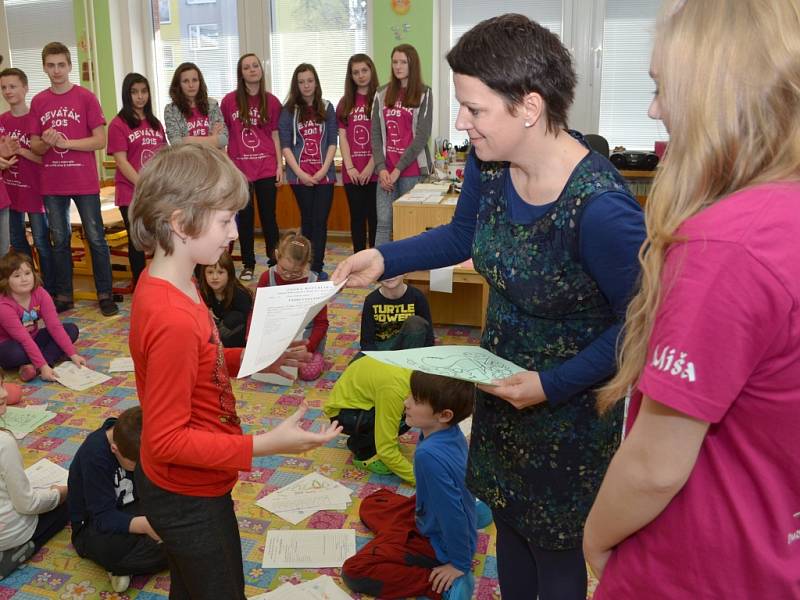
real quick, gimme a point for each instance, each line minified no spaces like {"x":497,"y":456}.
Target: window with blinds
{"x":468,"y":13}
{"x":205,"y":33}
{"x":27,"y":37}
{"x":324,"y":34}
{"x":626,"y":88}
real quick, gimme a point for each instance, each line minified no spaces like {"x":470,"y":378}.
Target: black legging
{"x":363,"y":214}
{"x":526,"y":572}
{"x":265,"y":193}
{"x":314,"y":202}
{"x":135,"y":257}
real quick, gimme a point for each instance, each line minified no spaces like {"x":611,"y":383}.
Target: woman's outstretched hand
{"x":361,"y":269}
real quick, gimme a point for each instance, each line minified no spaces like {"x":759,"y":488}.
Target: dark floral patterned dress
{"x":539,"y":468}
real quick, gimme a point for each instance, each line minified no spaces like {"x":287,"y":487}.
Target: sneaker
{"x":108,"y":307}
{"x":246,"y":274}
{"x":120,"y":583}
{"x":27,"y":372}
{"x":373,"y":465}
{"x":322,"y":276}
{"x":483,"y":514}
{"x":461,"y":589}
{"x":63,"y":305}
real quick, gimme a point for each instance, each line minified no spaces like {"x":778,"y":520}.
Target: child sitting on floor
{"x":367,"y":401}
{"x":423,"y":545}
{"x":396,"y":316}
{"x":293,"y":256}
{"x":23,"y":302}
{"x":28,"y":517}
{"x":229,"y":300}
{"x":107,"y":522}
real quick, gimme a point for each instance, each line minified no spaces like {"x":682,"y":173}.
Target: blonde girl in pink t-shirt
{"x":702,"y":499}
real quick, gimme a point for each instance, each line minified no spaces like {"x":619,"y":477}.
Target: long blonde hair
{"x":729,"y":79}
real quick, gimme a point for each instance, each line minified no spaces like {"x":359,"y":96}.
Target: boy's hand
{"x":142,"y":526}
{"x":62,"y":492}
{"x":290,"y":438}
{"x":442,"y":577}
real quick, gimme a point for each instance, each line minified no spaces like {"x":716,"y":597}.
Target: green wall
{"x":105,"y":49}
{"x":391,"y":29}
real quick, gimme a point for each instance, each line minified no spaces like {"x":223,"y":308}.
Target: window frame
{"x":195,"y":37}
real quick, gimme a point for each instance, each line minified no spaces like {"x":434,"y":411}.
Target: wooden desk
{"x":467,"y":304}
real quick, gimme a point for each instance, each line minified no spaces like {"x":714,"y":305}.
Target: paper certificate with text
{"x":281,"y":312}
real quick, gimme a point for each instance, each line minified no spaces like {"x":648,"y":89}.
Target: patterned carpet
{"x":57,"y":572}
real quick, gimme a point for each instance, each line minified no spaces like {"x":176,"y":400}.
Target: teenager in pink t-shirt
{"x":251,"y":114}
{"x":192,"y":117}
{"x":22,"y":175}
{"x":67,"y":130}
{"x":354,"y":115}
{"x":401,"y":127}
{"x":308,"y":133}
{"x":702,"y":499}
{"x":135,"y":135}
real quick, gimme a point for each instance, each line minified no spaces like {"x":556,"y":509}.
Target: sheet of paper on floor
{"x":122,"y":364}
{"x":308,"y":548}
{"x":21,"y":421}
{"x":44,"y":474}
{"x":321,"y":588}
{"x":306,"y":496}
{"x":78,"y":378}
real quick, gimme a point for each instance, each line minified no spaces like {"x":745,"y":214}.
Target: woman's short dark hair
{"x":515,"y":56}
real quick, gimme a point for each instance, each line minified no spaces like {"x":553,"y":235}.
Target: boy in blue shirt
{"x":424,"y":544}
{"x":107,"y":523}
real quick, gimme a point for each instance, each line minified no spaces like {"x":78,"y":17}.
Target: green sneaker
{"x":373,"y":465}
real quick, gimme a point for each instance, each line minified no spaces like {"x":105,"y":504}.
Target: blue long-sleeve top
{"x":611,"y":232}
{"x":98,"y":487}
{"x":445,"y":507}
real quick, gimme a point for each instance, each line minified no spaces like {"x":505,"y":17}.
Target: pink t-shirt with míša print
{"x":725,"y":349}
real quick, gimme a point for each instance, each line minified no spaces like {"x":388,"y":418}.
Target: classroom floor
{"x":57,"y":572}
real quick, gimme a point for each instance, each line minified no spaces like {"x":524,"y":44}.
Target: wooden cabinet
{"x":466,"y":305}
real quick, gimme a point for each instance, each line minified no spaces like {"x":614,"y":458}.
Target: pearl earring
{"x":528,"y":125}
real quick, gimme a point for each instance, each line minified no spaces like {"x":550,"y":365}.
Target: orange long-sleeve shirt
{"x":192,"y":443}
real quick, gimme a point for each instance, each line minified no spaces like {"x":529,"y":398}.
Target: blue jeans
{"x":315,"y":203}
{"x":41,"y":239}
{"x":4,"y":235}
{"x":384,"y":200}
{"x":57,"y":208}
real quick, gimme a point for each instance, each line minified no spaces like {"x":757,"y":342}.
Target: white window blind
{"x":468,"y":13}
{"x":324,"y":34}
{"x":626,"y":88}
{"x":28,"y":34}
{"x":205,"y":33}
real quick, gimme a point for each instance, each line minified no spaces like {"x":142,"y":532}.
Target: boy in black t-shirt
{"x":396,"y":316}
